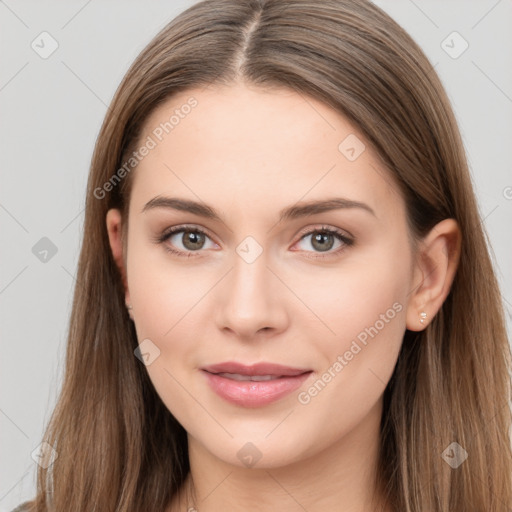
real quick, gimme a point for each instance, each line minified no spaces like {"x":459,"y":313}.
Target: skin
{"x":248,"y":153}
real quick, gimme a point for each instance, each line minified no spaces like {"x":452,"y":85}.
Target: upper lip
{"x":254,"y":369}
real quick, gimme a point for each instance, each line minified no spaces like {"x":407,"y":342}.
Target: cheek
{"x":163,"y":290}
{"x":165,"y":296}
{"x":364,"y":304}
{"x":350,"y":297}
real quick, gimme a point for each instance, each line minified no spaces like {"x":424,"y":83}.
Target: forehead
{"x":267,"y":146}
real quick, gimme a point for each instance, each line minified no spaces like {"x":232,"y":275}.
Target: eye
{"x":187,"y":240}
{"x":184,"y":240}
{"x":323,"y":239}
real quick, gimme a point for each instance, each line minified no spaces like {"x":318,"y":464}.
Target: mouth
{"x":254,"y":385}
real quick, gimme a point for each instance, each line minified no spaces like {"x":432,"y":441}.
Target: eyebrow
{"x":292,"y":212}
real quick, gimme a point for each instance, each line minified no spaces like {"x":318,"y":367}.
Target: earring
{"x":129,"y":307}
{"x":423,"y":316}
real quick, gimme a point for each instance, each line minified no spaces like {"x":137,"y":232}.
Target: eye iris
{"x":193,"y":240}
{"x":321,"y":238}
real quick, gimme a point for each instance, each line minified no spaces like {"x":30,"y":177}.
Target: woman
{"x":286,"y":300}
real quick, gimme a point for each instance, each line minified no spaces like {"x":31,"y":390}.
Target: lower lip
{"x":250,"y":393}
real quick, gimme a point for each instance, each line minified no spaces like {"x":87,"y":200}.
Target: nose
{"x":251,"y":300}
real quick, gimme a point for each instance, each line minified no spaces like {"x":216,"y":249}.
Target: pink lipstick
{"x":254,"y":385}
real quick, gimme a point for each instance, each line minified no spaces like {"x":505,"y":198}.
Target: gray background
{"x":51,"y":112}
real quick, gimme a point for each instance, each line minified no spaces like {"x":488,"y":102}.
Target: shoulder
{"x":24,"y":507}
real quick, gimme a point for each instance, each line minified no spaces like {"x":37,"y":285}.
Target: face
{"x":321,"y":291}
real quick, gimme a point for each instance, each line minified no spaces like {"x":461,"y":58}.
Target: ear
{"x":436,"y":263}
{"x":114,"y":225}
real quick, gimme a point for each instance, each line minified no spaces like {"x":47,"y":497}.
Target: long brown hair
{"x":119,"y":448}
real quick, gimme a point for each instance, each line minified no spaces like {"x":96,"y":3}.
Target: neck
{"x":342,"y":477}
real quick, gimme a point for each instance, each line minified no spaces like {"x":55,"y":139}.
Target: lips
{"x":253,"y":385}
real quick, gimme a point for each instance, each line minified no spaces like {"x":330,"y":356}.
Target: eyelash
{"x":347,"y":242}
